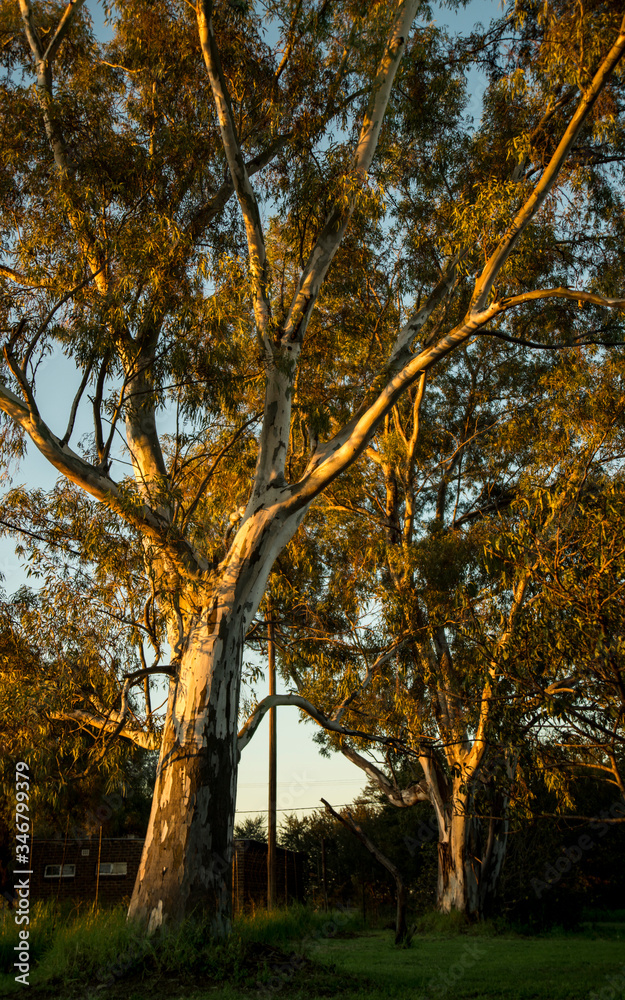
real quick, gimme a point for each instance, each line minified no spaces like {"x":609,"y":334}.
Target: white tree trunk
{"x":469,"y":865}
{"x":185,"y":867}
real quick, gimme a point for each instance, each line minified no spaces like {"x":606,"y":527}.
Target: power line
{"x":344,"y":805}
{"x":315,"y":781}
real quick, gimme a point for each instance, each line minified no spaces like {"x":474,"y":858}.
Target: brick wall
{"x":82,"y":886}
{"x":249,"y":872}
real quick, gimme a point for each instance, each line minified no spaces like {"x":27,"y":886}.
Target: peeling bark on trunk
{"x":186,"y":864}
{"x":455,"y":889}
{"x":186,"y":860}
{"x":468,"y":868}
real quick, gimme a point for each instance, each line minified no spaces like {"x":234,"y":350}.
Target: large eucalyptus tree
{"x":122,"y":250}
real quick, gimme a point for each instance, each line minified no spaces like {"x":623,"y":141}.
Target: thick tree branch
{"x":74,"y":468}
{"x":525,"y":215}
{"x":58,"y":36}
{"x":400,"y":797}
{"x":334,"y":229}
{"x":44,"y":61}
{"x":334,"y":456}
{"x":204,"y":215}
{"x":401,"y":348}
{"x":113,"y":721}
{"x":572,"y":294}
{"x":240,"y":178}
{"x":18,"y":278}
{"x":280,"y":371}
{"x":111,"y":724}
{"x":247,"y":731}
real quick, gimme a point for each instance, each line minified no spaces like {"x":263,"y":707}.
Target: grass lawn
{"x":482,"y":968}
{"x":301,"y":955}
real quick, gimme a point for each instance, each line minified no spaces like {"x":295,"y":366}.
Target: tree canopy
{"x":265,"y":229}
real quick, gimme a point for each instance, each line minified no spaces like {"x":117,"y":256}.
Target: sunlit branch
{"x":532,"y":205}
{"x":247,"y":731}
{"x":238,"y":172}
{"x":291,"y":41}
{"x":401,"y":797}
{"x":113,"y":724}
{"x":333,"y":231}
{"x":100,"y":486}
{"x":17,"y":278}
{"x":204,"y":215}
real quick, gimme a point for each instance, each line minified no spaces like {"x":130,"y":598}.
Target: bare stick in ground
{"x":402,"y":935}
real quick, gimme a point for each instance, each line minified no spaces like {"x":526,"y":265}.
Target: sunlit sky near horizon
{"x":303,"y":774}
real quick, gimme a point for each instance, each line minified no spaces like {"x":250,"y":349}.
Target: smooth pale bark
{"x":469,"y":866}
{"x":469,"y":863}
{"x":185,"y":867}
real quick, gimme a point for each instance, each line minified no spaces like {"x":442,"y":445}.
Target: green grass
{"x":87,"y":951}
{"x":303,"y":955}
{"x":69,"y":945}
{"x":476,"y":967}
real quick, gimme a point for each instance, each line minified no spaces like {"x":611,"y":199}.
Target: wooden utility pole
{"x":273,"y":775}
{"x":97,"y":878}
{"x":324,"y":873}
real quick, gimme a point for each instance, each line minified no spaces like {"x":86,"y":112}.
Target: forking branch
{"x":524,"y":216}
{"x":113,"y":721}
{"x":334,"y":455}
{"x":274,"y":700}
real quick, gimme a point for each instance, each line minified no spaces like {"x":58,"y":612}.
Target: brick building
{"x":72,"y":870}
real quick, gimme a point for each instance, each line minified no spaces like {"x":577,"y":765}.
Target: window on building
{"x":54,"y":871}
{"x":113,"y":868}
